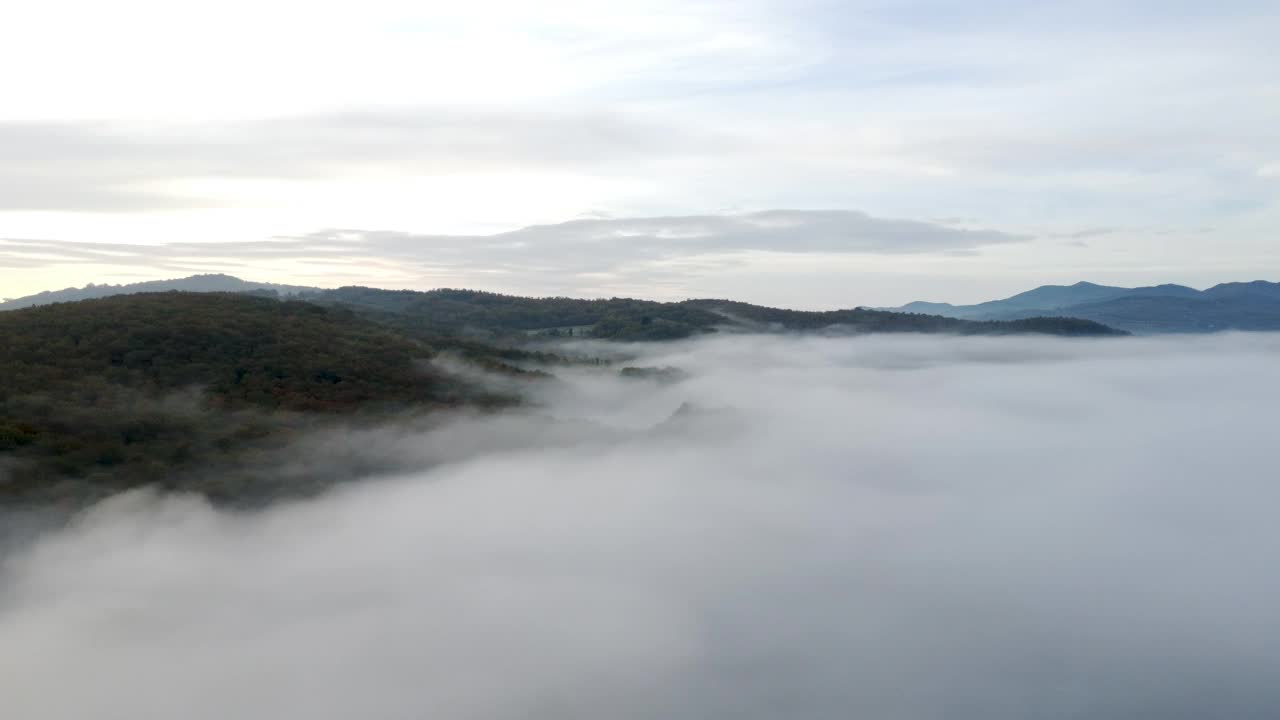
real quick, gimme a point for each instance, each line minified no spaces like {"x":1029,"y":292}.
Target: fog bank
{"x":877,"y":527}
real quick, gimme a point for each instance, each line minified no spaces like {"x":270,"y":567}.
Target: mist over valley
{"x":889,"y":526}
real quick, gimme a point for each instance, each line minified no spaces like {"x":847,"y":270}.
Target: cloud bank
{"x":112,"y":167}
{"x":642,"y":248}
{"x":875,"y":527}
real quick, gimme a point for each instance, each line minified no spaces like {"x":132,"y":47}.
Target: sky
{"x":801,"y":153}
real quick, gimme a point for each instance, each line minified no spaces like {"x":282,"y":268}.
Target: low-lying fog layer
{"x":882,"y":527}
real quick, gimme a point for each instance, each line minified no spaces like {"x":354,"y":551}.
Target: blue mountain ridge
{"x":1154,"y":309}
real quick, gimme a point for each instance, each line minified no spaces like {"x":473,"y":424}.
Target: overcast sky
{"x":795,"y":152}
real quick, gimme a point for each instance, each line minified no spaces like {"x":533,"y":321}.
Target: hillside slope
{"x":112,"y":393}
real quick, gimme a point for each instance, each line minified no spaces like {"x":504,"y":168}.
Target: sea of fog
{"x":877,"y":527}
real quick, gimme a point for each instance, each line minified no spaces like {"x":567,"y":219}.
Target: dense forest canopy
{"x":485,"y":314}
{"x":136,"y":388}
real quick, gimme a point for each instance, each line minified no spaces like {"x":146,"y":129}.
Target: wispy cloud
{"x":1086,"y":233}
{"x":654,"y":248}
{"x":97,"y":166}
{"x":474,"y":117}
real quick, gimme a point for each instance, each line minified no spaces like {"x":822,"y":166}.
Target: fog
{"x":876,"y":527}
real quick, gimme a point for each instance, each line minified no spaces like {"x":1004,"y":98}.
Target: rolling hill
{"x":182,"y":390}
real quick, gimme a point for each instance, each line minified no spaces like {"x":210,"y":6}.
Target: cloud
{"x":493,"y":115}
{"x":1086,"y":233}
{"x":886,"y":527}
{"x":753,"y":103}
{"x":95,"y":166}
{"x":651,"y":248}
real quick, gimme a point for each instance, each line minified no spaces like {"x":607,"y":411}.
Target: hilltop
{"x":195,"y":283}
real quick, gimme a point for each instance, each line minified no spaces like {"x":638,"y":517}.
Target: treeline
{"x":491,"y":316}
{"x":449,"y":312}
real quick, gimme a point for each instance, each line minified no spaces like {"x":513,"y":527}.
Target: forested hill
{"x":110,"y":393}
{"x":490,"y":315}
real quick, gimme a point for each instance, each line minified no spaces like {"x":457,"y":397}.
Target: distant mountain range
{"x":1142,"y":310}
{"x":195,"y":283}
{"x":492,"y":316}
